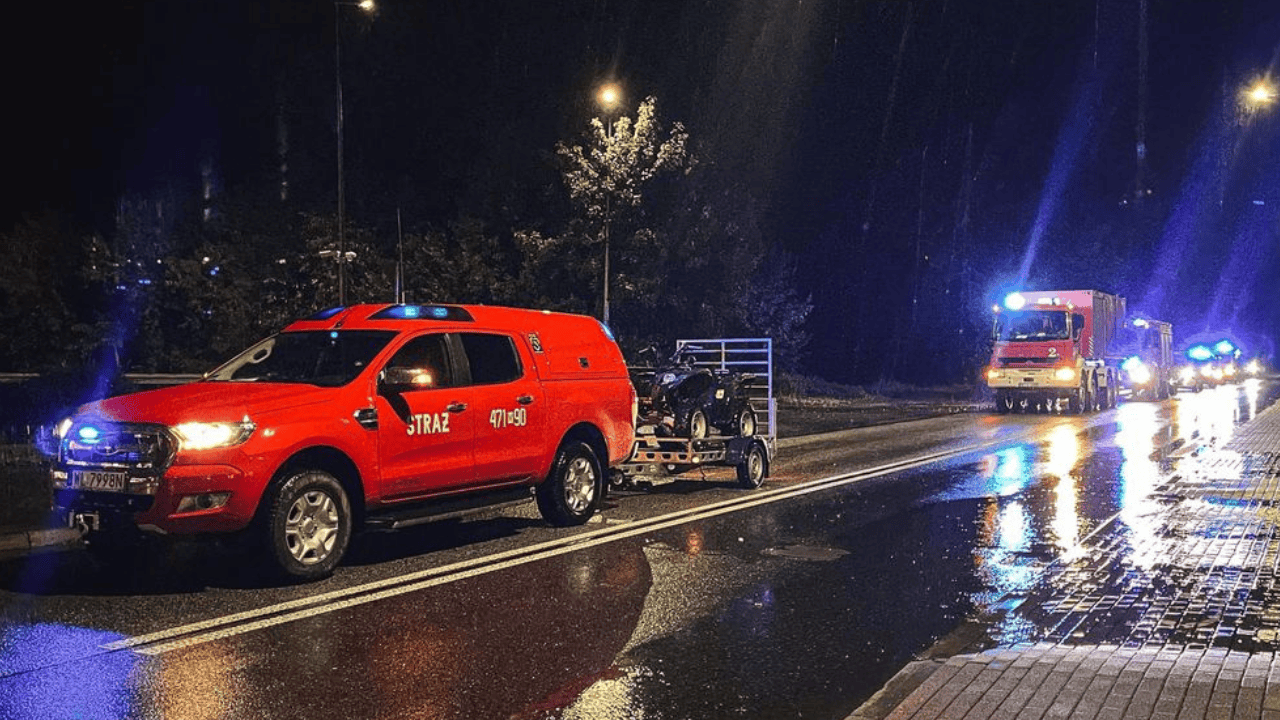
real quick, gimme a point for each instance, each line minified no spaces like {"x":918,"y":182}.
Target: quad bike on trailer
{"x":680,"y":399}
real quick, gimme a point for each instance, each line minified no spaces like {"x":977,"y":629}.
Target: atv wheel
{"x":697,"y":425}
{"x":745,"y":424}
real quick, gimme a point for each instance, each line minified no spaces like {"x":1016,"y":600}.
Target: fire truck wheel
{"x":751,"y":470}
{"x":697,"y":425}
{"x":1076,"y":403}
{"x":309,"y":525}
{"x":1004,"y":403}
{"x":571,"y":494}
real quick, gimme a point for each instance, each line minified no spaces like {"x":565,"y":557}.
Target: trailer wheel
{"x":753,"y":468}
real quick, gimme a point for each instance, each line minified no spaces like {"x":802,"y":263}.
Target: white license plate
{"x":101,"y":480}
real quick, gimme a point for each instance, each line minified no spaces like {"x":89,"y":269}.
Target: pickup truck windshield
{"x":329,"y":358}
{"x":1032,"y":325}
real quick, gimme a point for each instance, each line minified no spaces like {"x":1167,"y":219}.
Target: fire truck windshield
{"x":1032,"y":325}
{"x":328,"y":358}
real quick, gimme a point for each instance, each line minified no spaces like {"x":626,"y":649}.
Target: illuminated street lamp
{"x":367,"y":6}
{"x":1260,"y":93}
{"x":610,"y":96}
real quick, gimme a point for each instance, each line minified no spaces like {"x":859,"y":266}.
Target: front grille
{"x":1015,"y":361}
{"x":111,"y":445}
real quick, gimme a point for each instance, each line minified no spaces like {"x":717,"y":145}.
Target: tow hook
{"x":85,"y":522}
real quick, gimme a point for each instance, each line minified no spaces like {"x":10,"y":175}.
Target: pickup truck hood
{"x":1046,"y":353}
{"x":207,"y":402}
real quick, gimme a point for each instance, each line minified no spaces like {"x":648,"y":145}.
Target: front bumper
{"x":1039,"y":381}
{"x":216,"y":501}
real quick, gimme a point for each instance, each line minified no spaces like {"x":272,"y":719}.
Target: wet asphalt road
{"x":692,"y":600}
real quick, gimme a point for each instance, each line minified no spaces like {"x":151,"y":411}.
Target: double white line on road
{"x":184,"y":636}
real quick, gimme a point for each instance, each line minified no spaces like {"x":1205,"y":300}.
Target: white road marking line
{"x":213,"y":629}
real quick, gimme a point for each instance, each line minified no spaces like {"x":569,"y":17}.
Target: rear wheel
{"x":571,"y":494}
{"x":309,"y":525}
{"x":745,"y":424}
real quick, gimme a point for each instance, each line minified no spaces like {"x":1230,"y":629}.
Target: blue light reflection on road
{"x":34,"y":687}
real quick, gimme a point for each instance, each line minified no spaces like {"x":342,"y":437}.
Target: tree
{"x":38,"y":297}
{"x":607,"y":182}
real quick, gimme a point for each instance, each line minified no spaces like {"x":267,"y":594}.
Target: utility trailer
{"x":655,"y":457}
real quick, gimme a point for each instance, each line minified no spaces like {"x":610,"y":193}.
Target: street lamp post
{"x":367,"y":6}
{"x":609,"y":97}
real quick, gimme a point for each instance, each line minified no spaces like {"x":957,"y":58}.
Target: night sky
{"x":907,"y":153}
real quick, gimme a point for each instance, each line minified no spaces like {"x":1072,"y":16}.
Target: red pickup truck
{"x":357,"y":417}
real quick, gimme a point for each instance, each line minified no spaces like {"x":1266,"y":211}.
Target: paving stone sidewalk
{"x":1174,"y":616}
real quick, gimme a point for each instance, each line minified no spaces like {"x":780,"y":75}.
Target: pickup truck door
{"x":511,"y":443}
{"x":426,"y":419}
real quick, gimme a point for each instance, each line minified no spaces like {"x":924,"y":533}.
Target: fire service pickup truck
{"x":371,"y":416}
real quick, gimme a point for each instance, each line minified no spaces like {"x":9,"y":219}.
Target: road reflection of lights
{"x":1061,"y":456}
{"x":693,"y":542}
{"x":1252,"y":391}
{"x":1013,"y":533}
{"x":612,"y":697}
{"x":1209,"y":415}
{"x":193,"y":685}
{"x":36,"y":694}
{"x":1011,"y":470}
{"x":1137,"y":426}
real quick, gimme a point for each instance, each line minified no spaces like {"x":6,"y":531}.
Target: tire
{"x":308,"y":525}
{"x":745,"y":424}
{"x":1004,"y":403}
{"x":697,"y":425}
{"x":571,"y":493}
{"x":1075,"y":403}
{"x":753,"y":468}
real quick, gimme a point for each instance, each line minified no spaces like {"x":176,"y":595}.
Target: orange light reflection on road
{"x":1137,"y":425}
{"x":1061,"y":456}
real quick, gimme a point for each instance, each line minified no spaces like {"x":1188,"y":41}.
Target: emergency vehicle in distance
{"x":1145,"y":347}
{"x":1051,"y":347}
{"x":365,"y":416}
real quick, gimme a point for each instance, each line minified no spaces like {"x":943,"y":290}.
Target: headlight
{"x":60,"y":430}
{"x":1065,"y":374}
{"x":205,"y":436}
{"x":1207,"y":371}
{"x":1253,"y":368}
{"x":992,"y":374}
{"x":1187,"y":374}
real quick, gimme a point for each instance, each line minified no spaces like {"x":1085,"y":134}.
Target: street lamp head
{"x":1258,"y":95}
{"x":366,"y":5}
{"x":610,"y":95}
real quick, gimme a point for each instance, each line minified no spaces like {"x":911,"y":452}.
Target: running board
{"x":453,"y":507}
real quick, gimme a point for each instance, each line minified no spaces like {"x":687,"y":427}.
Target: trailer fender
{"x":737,"y":449}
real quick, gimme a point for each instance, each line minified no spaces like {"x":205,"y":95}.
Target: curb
{"x":20,"y":543}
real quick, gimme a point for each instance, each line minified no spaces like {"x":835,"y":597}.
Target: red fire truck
{"x":1051,"y":349}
